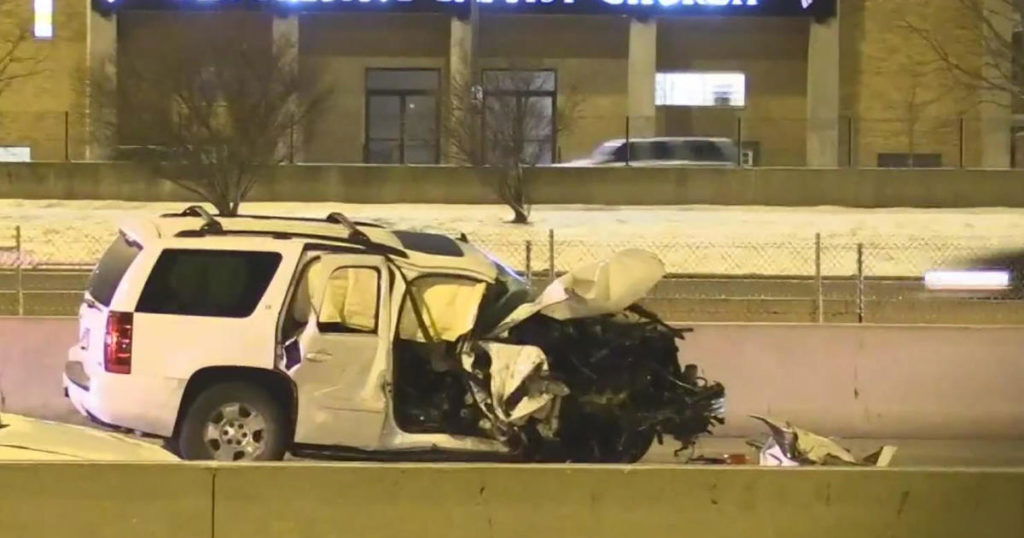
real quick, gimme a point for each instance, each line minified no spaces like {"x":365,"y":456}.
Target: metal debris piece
{"x":790,"y":446}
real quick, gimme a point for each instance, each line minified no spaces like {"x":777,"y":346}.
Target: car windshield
{"x":504,"y":295}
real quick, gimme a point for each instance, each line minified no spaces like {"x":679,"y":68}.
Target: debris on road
{"x":791,"y":446}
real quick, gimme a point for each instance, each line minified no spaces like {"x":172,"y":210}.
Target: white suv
{"x":247,"y":337}
{"x":664,"y":151}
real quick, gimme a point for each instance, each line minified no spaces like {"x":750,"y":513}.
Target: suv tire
{"x":233,"y":422}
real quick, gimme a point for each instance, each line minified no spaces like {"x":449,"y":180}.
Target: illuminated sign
{"x":783,"y":8}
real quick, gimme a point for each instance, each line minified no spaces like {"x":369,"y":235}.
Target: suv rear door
{"x":340,"y":358}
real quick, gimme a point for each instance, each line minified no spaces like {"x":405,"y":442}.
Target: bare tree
{"x":210,"y":113}
{"x":923,"y":88}
{"x":978,"y":46}
{"x":509,"y":123}
{"x":17,"y":59}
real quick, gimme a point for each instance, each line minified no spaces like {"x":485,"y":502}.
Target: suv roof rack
{"x":362,"y":223}
{"x":367,"y":246}
{"x":337,"y":217}
{"x":210,"y":224}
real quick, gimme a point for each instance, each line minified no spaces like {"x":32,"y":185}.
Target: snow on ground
{"x":691,"y":239}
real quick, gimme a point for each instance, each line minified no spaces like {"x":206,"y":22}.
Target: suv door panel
{"x":341,"y":377}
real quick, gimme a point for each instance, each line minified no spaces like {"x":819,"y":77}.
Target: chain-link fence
{"x":42,"y":273}
{"x":43,"y":270}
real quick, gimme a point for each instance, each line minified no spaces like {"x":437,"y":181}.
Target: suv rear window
{"x":107,"y":275}
{"x":215,"y":283}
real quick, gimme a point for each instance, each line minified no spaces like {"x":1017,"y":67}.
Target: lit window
{"x":15,"y":154}
{"x":700,"y":89}
{"x":43,"y":23}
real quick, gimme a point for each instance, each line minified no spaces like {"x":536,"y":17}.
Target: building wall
{"x":590,"y":55}
{"x":46,"y":109}
{"x":896,"y":100}
{"x":903,"y":100}
{"x":335,"y":52}
{"x":149,"y":45}
{"x":772,"y":52}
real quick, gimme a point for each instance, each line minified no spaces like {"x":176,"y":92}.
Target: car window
{"x":107,"y":275}
{"x":350,"y":300}
{"x":214,"y":283}
{"x":446,"y":305}
{"x":634,"y":151}
{"x":704,"y":151}
{"x":661,"y":151}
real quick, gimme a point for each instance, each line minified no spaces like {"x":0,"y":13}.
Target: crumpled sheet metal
{"x":607,"y":286}
{"x":513,"y":366}
{"x":791,"y":446}
{"x":594,"y":289}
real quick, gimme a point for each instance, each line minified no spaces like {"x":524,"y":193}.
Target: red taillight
{"x":117,"y":351}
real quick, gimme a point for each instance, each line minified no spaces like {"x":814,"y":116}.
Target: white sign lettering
{"x":664,"y":3}
{"x":671,"y":3}
{"x":817,"y":8}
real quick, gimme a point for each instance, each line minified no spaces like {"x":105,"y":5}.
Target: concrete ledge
{"x":548,"y":185}
{"x":453,"y":501}
{"x":57,"y":500}
{"x":613,"y":502}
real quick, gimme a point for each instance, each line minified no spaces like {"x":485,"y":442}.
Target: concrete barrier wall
{"x":548,"y":185}
{"x":903,"y":382}
{"x":383,"y":501}
{"x":105,"y":500}
{"x":613,"y":502}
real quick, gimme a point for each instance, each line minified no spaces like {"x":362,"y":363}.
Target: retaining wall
{"x":547,"y":185}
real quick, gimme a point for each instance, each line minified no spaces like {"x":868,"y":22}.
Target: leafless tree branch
{"x":17,"y":60}
{"x":508,"y":124}
{"x":209,"y":116}
{"x":997,"y":65}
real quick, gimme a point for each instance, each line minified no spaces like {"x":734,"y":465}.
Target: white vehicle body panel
{"x":342,"y":377}
{"x":177,"y":346}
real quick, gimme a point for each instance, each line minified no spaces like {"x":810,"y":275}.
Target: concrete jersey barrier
{"x":454,"y":501}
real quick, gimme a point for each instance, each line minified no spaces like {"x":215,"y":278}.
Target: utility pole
{"x":476,"y":90}
{"x":474,"y":46}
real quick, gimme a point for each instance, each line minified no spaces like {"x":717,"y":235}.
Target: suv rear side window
{"x":107,"y":275}
{"x":215,"y":283}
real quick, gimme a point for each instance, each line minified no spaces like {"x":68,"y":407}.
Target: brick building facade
{"x":815,"y":87}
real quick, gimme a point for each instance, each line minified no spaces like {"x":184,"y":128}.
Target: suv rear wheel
{"x":233,"y":422}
